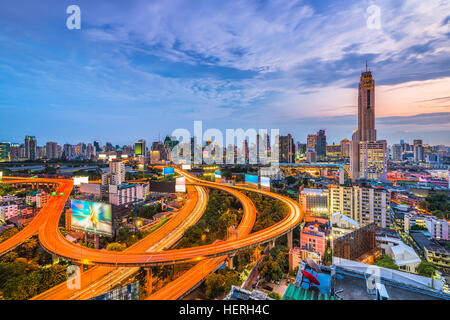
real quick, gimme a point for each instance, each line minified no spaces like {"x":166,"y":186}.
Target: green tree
{"x":8,"y":233}
{"x":386,"y":262}
{"x":219,"y":283}
{"x":115,"y":246}
{"x":426,"y":269}
{"x":271,"y":270}
{"x":274,"y":295}
{"x":418,"y":227}
{"x":291,"y":180}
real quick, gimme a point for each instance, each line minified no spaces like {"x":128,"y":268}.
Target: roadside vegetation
{"x":269,"y":210}
{"x":223,"y":211}
{"x":438,"y":204}
{"x":27,"y":271}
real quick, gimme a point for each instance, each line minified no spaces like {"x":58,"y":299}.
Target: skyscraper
{"x":368,"y":158}
{"x":51,"y":150}
{"x":345,"y":148}
{"x":30,"y":147}
{"x":287,"y":149}
{"x":14,"y":152}
{"x":311,"y":142}
{"x":4,"y":151}
{"x":140,"y":148}
{"x":321,"y":144}
{"x":419,"y":152}
{"x":97,"y":146}
{"x":397,"y":152}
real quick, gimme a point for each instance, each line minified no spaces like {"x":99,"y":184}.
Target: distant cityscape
{"x":367,"y":208}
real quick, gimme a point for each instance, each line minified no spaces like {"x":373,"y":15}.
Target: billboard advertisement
{"x":180,"y":184}
{"x":265,"y":182}
{"x":167,"y":171}
{"x":162,"y":186}
{"x":79,"y":180}
{"x":218,"y":175}
{"x":186,"y":167}
{"x":93,"y":217}
{"x":249,"y":178}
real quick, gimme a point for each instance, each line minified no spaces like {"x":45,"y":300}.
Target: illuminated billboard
{"x":79,"y":180}
{"x":251,"y":179}
{"x":180,"y":184}
{"x":218,"y":175}
{"x":186,"y":167}
{"x":167,"y":171}
{"x":265,"y":182}
{"x":93,"y":217}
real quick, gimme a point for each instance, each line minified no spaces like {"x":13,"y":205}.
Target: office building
{"x":140,"y":148}
{"x":437,"y":228}
{"x":128,"y":193}
{"x":30,"y":148}
{"x":321,"y":144}
{"x":311,"y":156}
{"x":345,"y":148}
{"x":91,"y":152}
{"x":334,"y":152}
{"x":368,"y":158}
{"x":5,"y":151}
{"x":97,"y":146}
{"x":373,"y":160}
{"x":397,"y":152}
{"x":363,"y":204}
{"x":51,"y":150}
{"x":419,"y":151}
{"x":313,"y":237}
{"x":311,"y":142}
{"x":287,"y":149}
{"x":314,"y":202}
{"x":14,"y":152}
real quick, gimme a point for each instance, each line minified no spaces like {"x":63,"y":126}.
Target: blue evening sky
{"x":140,"y":68}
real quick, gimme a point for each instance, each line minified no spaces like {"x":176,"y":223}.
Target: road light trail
{"x":100,"y":279}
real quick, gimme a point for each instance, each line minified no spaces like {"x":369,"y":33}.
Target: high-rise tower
{"x":30,"y":147}
{"x":366,"y":107}
{"x":368,"y":157}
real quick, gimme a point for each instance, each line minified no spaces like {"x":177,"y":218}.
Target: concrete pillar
{"x":290,"y":239}
{"x":230,"y":262}
{"x":97,"y":241}
{"x":149,"y":280}
{"x":271,"y":244}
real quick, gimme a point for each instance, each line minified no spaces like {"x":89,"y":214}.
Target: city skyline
{"x":255,"y":65}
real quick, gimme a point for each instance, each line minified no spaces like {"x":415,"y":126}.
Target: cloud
{"x":234,"y":62}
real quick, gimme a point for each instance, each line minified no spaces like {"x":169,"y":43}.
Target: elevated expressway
{"x":46,"y":223}
{"x":101,"y":279}
{"x":52,"y":240}
{"x":53,"y":207}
